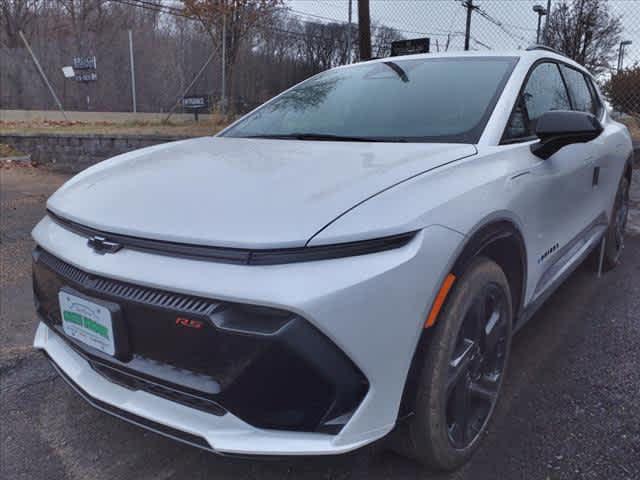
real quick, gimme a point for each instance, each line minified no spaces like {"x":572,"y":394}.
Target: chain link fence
{"x":171,"y":51}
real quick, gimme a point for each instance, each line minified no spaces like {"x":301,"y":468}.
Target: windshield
{"x":417,"y":100}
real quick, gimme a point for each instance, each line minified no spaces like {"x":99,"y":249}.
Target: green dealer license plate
{"x":87,"y":322}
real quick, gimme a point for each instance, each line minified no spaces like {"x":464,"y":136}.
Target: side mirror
{"x":558,"y":128}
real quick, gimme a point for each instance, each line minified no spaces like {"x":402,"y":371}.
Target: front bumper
{"x":224,"y":434}
{"x":370,"y":307}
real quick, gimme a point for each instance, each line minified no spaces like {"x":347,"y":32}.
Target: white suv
{"x":351,"y":258}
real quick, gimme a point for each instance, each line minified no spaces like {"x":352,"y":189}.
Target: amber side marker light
{"x":439,"y":301}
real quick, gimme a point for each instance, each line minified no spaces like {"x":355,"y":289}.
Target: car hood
{"x":245,"y":193}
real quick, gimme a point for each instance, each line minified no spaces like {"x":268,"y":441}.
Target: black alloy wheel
{"x":462,"y":364}
{"x":614,"y":236}
{"x":477,"y":366}
{"x":620,"y":215}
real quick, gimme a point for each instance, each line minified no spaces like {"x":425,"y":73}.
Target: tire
{"x":615,"y":232}
{"x":431,"y":436}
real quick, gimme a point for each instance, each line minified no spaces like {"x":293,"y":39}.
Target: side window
{"x":544,"y":91}
{"x":580,"y":92}
{"x":518,"y":126}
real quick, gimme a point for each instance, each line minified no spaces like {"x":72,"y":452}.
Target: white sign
{"x":68,"y":72}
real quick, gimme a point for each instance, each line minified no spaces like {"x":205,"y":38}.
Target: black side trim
{"x":173,"y":433}
{"x":241,"y":256}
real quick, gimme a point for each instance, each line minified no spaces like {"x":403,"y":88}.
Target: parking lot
{"x":570,"y":407}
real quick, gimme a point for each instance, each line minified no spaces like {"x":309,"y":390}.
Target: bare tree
{"x":234,"y":19}
{"x":17,"y":15}
{"x":382,"y":38}
{"x":586,"y":31}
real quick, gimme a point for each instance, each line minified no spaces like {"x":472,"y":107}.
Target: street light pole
{"x":546,"y":23}
{"x":621,"y":49}
{"x":541,"y":11}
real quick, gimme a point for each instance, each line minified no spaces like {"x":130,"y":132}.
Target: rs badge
{"x":187,"y":322}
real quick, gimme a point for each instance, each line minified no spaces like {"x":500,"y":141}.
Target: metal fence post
{"x":223,"y":92}
{"x":133,"y":74}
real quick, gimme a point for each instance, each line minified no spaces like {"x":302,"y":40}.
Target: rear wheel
{"x":617,"y":227}
{"x":462,"y":371}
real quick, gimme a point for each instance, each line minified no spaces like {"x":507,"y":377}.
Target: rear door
{"x":583,"y":99}
{"x":606,"y":164}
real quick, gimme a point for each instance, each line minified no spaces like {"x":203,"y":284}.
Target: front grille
{"x":126,"y":291}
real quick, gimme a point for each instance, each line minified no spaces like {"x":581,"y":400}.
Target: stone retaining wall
{"x":74,"y":152}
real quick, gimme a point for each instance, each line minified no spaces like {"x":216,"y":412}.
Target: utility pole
{"x":468,"y":4}
{"x":133,"y":74}
{"x":44,"y":77}
{"x":349,"y":28}
{"x":364,"y":29}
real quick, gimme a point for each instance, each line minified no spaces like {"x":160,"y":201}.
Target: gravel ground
{"x":570,"y":407}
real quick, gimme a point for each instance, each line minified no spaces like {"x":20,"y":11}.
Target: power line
{"x":499,"y":24}
{"x":333,"y":19}
{"x":154,"y":7}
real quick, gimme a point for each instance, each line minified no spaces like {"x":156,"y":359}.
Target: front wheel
{"x":462,"y":371}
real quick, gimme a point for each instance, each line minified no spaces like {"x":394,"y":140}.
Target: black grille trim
{"x":133,"y":382}
{"x":240,"y":256}
{"x":127,"y":291}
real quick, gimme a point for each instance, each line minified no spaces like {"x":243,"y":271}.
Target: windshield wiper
{"x":323,"y":136}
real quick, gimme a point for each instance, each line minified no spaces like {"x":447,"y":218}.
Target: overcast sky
{"x":438,"y":18}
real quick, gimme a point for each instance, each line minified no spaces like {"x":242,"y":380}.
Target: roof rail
{"x":544,"y":47}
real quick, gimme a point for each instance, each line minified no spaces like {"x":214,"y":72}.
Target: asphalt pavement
{"x":570,"y":406}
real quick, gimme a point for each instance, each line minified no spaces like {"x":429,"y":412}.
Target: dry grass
{"x":633,"y":124}
{"x":9,"y":151}
{"x":186,"y":129}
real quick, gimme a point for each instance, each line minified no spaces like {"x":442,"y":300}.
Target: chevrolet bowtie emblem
{"x":102,"y":245}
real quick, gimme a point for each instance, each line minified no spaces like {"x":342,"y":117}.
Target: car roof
{"x":530,"y":56}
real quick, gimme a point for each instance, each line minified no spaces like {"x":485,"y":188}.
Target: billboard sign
{"x":84,"y":63}
{"x":410,"y":47}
